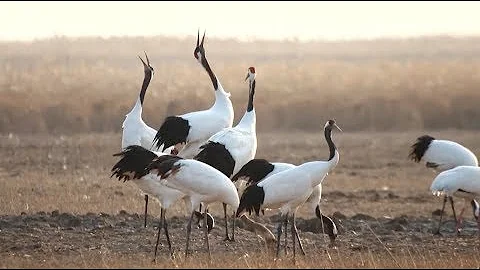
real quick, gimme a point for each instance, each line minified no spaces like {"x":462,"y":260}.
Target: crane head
{"x":146,"y":66}
{"x":332,"y":124}
{"x":251,"y":74}
{"x":199,"y":52}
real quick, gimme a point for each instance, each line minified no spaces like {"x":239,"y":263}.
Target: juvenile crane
{"x":442,"y":155}
{"x":229,"y":149}
{"x":289,"y":189}
{"x":188,"y":131}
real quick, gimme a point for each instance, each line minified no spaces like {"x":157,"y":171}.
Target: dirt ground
{"x":59,"y":208}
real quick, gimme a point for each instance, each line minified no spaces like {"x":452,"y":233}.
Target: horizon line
{"x":247,"y":39}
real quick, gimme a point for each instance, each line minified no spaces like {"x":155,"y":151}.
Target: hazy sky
{"x":244,"y":20}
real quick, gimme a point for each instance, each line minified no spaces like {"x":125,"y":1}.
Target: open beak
{"x":145,"y":65}
{"x":146,"y":56}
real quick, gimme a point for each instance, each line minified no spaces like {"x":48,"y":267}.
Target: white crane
{"x":229,"y":149}
{"x":135,"y":131}
{"x":133,"y":166}
{"x":463,"y":182}
{"x":442,"y":155}
{"x":188,"y":131}
{"x":200,"y":182}
{"x":289,"y":189}
{"x":259,"y":169}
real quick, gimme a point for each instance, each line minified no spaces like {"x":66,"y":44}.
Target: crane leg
{"x":226,"y":222}
{"x":286,"y":232}
{"x":296,"y":235}
{"x":206,"y":233}
{"x":189,"y":230}
{"x":454,"y":215}
{"x":158,"y":234}
{"x":146,"y":205}
{"x":279,"y":233}
{"x":437,"y":232}
{"x":165,"y":227}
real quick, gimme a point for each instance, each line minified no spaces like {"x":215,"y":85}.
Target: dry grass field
{"x":59,"y":208}
{"x":62,"y":102}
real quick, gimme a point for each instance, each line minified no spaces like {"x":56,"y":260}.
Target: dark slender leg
{"x":165,"y":225}
{"x":206,"y":233}
{"x":233,"y":226}
{"x":437,"y":232}
{"x":292,"y":229}
{"x":200,"y":208}
{"x":158,"y":234}
{"x":226,"y":222}
{"x":189,"y":229}
{"x":279,"y":233}
{"x":454,"y":215}
{"x":146,"y":205}
{"x":296,"y":234}
{"x":286,"y":232}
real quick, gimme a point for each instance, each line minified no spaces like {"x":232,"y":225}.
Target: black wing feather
{"x":216,"y":155}
{"x":134,"y":160}
{"x":173,"y":130}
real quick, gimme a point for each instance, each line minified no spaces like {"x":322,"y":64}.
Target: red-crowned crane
{"x":289,"y":189}
{"x":200,"y":182}
{"x":229,"y":149}
{"x":188,"y":131}
{"x":442,"y":155}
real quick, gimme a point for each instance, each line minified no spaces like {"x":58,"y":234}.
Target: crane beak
{"x":337,"y":127}
{"x":145,"y":65}
{"x":246,"y":77}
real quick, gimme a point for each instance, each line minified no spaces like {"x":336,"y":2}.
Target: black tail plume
{"x":134,"y":161}
{"x":252,"y":199}
{"x":419,"y":148}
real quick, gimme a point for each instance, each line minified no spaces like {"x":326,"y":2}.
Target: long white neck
{"x":137,"y":108}
{"x":222,"y":99}
{"x":248,"y":121}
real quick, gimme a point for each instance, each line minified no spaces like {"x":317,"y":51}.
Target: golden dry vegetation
{"x":62,"y":102}
{"x":68,"y":86}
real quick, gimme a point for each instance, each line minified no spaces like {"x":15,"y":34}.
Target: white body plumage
{"x":448,"y":155}
{"x":135,"y":131}
{"x":240,"y":141}
{"x":206,"y":123}
{"x":201,"y":183}
{"x":462,"y":181}
{"x":291,"y":188}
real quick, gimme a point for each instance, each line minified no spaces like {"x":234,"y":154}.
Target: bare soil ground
{"x":59,"y":208}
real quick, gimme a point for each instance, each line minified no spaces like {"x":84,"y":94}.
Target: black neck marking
{"x":146,"y":82}
{"x":250,"y":96}
{"x":331,"y":145}
{"x":210,"y":72}
{"x":255,"y":170}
